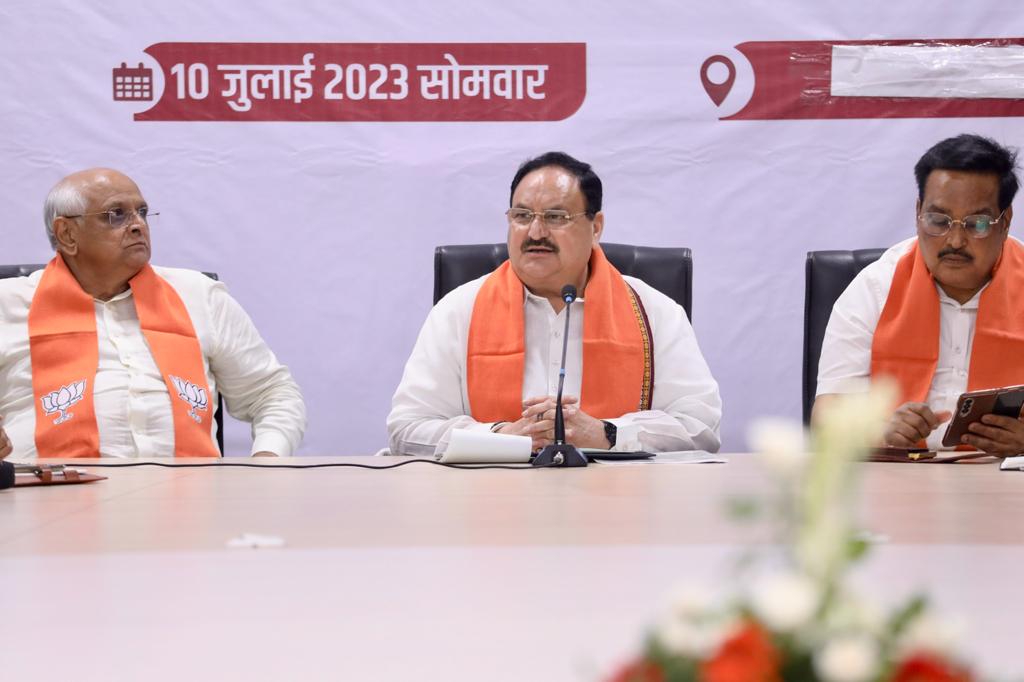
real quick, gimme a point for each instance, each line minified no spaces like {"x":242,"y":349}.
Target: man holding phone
{"x":941,"y":313}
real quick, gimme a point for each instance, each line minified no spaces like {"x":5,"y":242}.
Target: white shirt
{"x":133,"y":407}
{"x":432,"y":398}
{"x":845,"y":365}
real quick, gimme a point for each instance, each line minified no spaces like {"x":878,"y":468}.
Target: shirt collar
{"x":971,"y":304}
{"x":119,"y":297}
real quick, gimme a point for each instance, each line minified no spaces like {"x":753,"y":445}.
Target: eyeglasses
{"x":552,"y":219}
{"x":939,"y":224}
{"x":119,"y":217}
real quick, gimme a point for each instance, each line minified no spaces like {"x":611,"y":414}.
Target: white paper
{"x":1012,"y":464}
{"x":255,"y":541}
{"x":475,"y":447}
{"x":673,"y":457}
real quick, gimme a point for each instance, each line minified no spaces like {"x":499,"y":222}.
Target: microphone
{"x":560,"y":453}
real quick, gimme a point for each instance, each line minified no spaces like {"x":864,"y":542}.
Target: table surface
{"x":451,"y":574}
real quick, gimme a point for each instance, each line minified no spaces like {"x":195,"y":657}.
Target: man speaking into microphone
{"x":488,"y":356}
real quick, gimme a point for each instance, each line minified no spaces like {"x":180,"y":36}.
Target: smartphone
{"x":972,"y":406}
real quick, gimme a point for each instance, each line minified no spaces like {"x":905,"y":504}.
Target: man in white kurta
{"x":432,"y":399}
{"x":913,"y":315}
{"x":845,"y":365}
{"x":133,"y":407}
{"x":131,"y":399}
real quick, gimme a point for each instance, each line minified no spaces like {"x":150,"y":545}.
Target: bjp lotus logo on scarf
{"x":194,"y":396}
{"x":61,"y":400}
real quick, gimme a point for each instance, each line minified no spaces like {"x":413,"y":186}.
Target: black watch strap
{"x":611,"y":432}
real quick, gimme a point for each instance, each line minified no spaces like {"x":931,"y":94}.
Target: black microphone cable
{"x":325,"y":465}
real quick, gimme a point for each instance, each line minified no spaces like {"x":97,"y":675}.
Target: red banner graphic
{"x":368,"y":81}
{"x":919,"y":79}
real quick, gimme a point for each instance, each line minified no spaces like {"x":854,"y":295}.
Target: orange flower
{"x":930,"y":668}
{"x":747,"y":656}
{"x":639,"y":671}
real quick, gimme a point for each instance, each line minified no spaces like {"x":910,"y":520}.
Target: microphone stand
{"x":6,"y":475}
{"x":560,"y":453}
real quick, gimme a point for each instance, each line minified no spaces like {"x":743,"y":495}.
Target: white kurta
{"x":845,"y":365}
{"x":432,"y":398}
{"x":133,"y":407}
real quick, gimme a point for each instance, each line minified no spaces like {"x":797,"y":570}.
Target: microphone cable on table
{"x":199,"y":465}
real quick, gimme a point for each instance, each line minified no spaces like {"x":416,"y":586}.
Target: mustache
{"x":955,"y":252}
{"x":542,"y":243}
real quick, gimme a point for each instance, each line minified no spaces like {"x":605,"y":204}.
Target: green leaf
{"x":743,"y":508}
{"x":899,"y":621}
{"x":856,"y":549}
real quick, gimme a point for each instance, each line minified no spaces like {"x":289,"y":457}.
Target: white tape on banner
{"x":948,"y":71}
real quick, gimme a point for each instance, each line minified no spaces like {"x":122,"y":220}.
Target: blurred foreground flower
{"x":798,"y":622}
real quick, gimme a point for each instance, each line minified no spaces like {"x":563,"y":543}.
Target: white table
{"x":430,"y":573}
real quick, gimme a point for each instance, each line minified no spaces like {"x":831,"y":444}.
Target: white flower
{"x":849,"y":612}
{"x":785,"y":601}
{"x":690,"y":602}
{"x":847,"y":658}
{"x":696,"y":639}
{"x":857,"y":420}
{"x":931,"y":634}
{"x":781,"y":443}
{"x":693,"y":626}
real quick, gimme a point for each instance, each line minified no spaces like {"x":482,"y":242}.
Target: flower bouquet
{"x":796,"y":620}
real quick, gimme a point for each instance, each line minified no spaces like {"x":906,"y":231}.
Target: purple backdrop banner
{"x":749,"y":132}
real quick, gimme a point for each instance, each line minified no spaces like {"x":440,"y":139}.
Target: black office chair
{"x":828,"y":275}
{"x":669,"y":270}
{"x":26,"y":269}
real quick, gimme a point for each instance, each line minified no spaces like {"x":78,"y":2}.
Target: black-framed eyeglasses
{"x":553,"y":219}
{"x":119,"y":217}
{"x":939,"y":224}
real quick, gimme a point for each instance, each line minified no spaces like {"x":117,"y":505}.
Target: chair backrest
{"x":828,"y":275}
{"x":669,"y":270}
{"x":26,"y":269}
{"x":23,"y":270}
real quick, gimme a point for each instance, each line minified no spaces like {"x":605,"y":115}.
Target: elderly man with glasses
{"x":943,"y":312}
{"x":102,"y":354}
{"x":489,"y":353}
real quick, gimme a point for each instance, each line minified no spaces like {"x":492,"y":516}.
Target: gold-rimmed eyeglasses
{"x":553,"y":219}
{"x":939,"y":224}
{"x":119,"y":217}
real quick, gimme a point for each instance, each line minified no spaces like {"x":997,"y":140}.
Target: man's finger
{"x":997,"y":420}
{"x":911,"y":424}
{"x":902,"y":434}
{"x":898,"y":440}
{"x":922,"y":410}
{"x":982,"y":443}
{"x":994,"y":433}
{"x":538,"y":408}
{"x":539,"y":427}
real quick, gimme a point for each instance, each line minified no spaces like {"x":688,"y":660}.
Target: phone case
{"x":972,"y":406}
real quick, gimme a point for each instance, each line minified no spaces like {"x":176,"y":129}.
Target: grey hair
{"x":64,"y":199}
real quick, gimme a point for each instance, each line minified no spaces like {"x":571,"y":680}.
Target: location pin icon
{"x":717,"y":91}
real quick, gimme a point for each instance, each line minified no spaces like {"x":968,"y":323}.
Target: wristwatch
{"x":611,"y":432}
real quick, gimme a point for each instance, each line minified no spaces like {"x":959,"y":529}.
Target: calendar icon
{"x":133,"y":84}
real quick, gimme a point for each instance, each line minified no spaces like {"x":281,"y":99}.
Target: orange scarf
{"x":65,"y":357}
{"x":618,"y":367}
{"x":906,"y":341}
